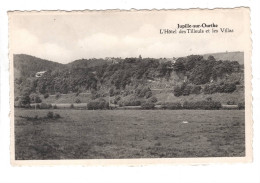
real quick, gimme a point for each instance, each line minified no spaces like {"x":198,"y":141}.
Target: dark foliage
{"x":171,"y":105}
{"x":219,"y":88}
{"x":98,"y":104}
{"x":147,"y":105}
{"x":46,"y":95}
{"x":152,"y":100}
{"x":206,"y":105}
{"x":241,"y":105}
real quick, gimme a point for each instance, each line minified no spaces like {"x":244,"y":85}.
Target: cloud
{"x":65,"y":38}
{"x":27,"y":43}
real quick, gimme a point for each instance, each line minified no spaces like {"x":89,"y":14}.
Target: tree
{"x":34,"y":98}
{"x":211,"y":58}
{"x":178,"y":66}
{"x":177,"y":91}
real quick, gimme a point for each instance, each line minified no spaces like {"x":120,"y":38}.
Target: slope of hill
{"x":28,"y":65}
{"x":232,"y":56}
{"x":86,"y":63}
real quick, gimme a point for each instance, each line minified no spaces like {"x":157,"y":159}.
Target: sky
{"x":67,"y":36}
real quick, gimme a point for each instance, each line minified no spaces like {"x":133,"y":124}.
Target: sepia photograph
{"x":130,"y":85}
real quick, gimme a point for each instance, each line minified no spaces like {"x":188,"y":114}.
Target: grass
{"x":84,"y":134}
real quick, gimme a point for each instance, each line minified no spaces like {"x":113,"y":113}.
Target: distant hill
{"x":28,"y":65}
{"x":232,"y":56}
{"x":86,"y":63}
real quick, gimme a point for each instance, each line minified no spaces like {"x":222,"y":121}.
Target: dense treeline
{"x":131,"y":76}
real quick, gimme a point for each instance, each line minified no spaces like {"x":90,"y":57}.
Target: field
{"x":85,"y":134}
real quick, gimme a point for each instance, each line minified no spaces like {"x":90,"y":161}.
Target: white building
{"x":39,"y":74}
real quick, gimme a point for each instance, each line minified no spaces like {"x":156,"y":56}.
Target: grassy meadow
{"x":86,"y":134}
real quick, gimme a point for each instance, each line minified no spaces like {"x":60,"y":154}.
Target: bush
{"x":45,"y":106}
{"x":171,"y":105}
{"x":229,"y":87}
{"x":58,"y":95}
{"x":230,"y":102}
{"x":148,"y":94}
{"x":71,"y":106}
{"x":195,"y":89}
{"x":101,"y":104}
{"x":27,"y":106}
{"x":187,"y":90}
{"x":147,"y":105}
{"x":111,"y":92}
{"x":152,"y":100}
{"x":177,"y":91}
{"x":117,"y":99}
{"x":50,"y":114}
{"x":34,"y":98}
{"x":143,"y":92}
{"x":55,"y":107}
{"x":241,"y":105}
{"x":16,"y":98}
{"x":56,"y":116}
{"x":95,"y":95}
{"x":219,"y":88}
{"x":46,"y":95}
{"x":132,"y":103}
{"x":121,"y":103}
{"x":77,"y":100}
{"x":206,"y":105}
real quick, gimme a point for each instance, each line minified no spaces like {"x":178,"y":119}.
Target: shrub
{"x":148,"y":94}
{"x":27,"y":106}
{"x":24,"y":101}
{"x":95,"y":96}
{"x":116,"y":100}
{"x":55,"y":107}
{"x":147,"y":105}
{"x":56,"y":116}
{"x":77,"y":100}
{"x":45,"y":106}
{"x":16,"y":98}
{"x":219,"y":88}
{"x":187,"y":90}
{"x":121,"y":103}
{"x":71,"y":106}
{"x":152,"y":100}
{"x":34,"y":98}
{"x":230,"y":102}
{"x":111,"y":92}
{"x":58,"y":95}
{"x":177,"y":91}
{"x":143,"y":92}
{"x":229,"y":87}
{"x":195,"y":89}
{"x":206,"y":105}
{"x":132,"y":103}
{"x":46,"y":95}
{"x":100,"y":104}
{"x":93,"y":105}
{"x":171,"y":105}
{"x":50,"y":114}
{"x":241,"y":105}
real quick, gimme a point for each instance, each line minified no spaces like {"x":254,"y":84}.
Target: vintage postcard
{"x":131,"y":87}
